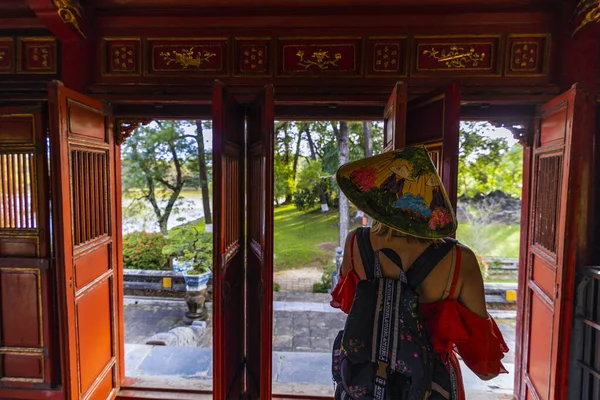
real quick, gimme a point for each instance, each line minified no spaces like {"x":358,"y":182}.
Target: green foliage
{"x":156,"y":166}
{"x":142,"y":250}
{"x":491,"y":240}
{"x":325,"y":284}
{"x":276,"y":287}
{"x":189,"y":242}
{"x":487,"y":163}
{"x":284,"y":184}
{"x":306,"y":196}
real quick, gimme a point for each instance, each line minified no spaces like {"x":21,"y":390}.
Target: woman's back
{"x":469,"y":290}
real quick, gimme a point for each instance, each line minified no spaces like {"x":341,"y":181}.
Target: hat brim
{"x":411,"y":206}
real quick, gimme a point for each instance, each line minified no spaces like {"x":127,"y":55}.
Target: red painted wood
{"x":27,"y":339}
{"x":259,"y":245}
{"x":119,"y":250}
{"x":228,"y":266}
{"x":394,"y":119}
{"x":85,"y":170}
{"x":523,"y":251}
{"x":559,"y":201}
{"x":49,"y":14}
{"x":434,"y":121}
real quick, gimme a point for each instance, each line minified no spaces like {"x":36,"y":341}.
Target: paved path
{"x":302,"y":340}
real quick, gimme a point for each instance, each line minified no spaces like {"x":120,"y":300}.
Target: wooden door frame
{"x":504,"y":115}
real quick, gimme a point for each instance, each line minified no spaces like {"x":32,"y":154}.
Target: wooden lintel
{"x":66,"y":19}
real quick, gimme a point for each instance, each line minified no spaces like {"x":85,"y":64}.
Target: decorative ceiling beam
{"x":66,"y":19}
{"x":520,"y":129}
{"x":126,"y":126}
{"x":586,"y":12}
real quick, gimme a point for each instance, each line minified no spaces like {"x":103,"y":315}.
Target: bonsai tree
{"x":189,"y":243}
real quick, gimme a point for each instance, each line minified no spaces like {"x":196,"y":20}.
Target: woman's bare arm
{"x":346,"y":265}
{"x":472,"y":292}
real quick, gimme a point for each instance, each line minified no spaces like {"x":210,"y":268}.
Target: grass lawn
{"x":498,"y":240}
{"x":298,"y":235}
{"x":308,"y":239}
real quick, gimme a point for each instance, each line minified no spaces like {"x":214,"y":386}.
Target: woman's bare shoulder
{"x":469,"y":262}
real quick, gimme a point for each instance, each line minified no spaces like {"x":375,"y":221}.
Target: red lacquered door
{"x":259,"y":245}
{"x":82,"y":154}
{"x":228,"y":267}
{"x":433,"y":120}
{"x":557,"y":229}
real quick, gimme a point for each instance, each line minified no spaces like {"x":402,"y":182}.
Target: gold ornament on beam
{"x":125,"y":128}
{"x":188,"y":57}
{"x":589,"y":10}
{"x":456,"y":57}
{"x":321,"y":58}
{"x":69,"y":11}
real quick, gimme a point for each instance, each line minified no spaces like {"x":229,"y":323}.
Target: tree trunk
{"x":343,"y":201}
{"x":313,"y":153}
{"x":297,"y":155}
{"x":368,"y":138}
{"x":203,"y":174}
{"x":288,"y":198}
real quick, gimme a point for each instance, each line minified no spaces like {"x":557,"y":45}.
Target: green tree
{"x":487,"y":163}
{"x":153,"y":161}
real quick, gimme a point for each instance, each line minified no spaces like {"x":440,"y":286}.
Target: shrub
{"x":142,"y":250}
{"x":189,"y":243}
{"x":276,"y":287}
{"x":325,"y":284}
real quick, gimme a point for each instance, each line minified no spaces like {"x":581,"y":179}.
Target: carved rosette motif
{"x":7,"y":56}
{"x":36,"y":55}
{"x":252,"y":56}
{"x":125,"y":128}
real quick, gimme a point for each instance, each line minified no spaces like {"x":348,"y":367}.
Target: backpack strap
{"x":427,"y":261}
{"x":365,"y":248}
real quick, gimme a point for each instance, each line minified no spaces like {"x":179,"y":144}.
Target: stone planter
{"x":196,"y":296}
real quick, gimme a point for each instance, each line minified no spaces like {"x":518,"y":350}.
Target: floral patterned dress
{"x":453,"y":329}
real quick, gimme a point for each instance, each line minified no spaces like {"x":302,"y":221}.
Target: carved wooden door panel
{"x":434,"y":121}
{"x":394,"y":119}
{"x":27,"y":316}
{"x":259,"y":245}
{"x":82,"y":153}
{"x":228,"y":268}
{"x":558,"y":229}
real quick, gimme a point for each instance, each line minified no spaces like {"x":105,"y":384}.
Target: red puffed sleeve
{"x":343,"y":294}
{"x":485,"y":347}
{"x":477,"y":340}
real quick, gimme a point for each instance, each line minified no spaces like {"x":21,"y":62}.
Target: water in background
{"x":139,"y":217}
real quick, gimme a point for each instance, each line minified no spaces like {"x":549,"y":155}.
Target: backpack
{"x":383,"y":351}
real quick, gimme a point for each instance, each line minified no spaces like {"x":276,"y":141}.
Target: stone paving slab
{"x":300,"y":328}
{"x":293,"y":372}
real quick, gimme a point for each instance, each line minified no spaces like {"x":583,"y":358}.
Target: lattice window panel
{"x":17,"y":191}
{"x":256,"y":196}
{"x":548,"y":193}
{"x":89,"y":189}
{"x":231,"y":222}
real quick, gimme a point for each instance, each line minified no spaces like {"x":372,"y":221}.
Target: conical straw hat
{"x":400,"y":189}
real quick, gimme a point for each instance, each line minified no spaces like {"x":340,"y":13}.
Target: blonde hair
{"x":383,"y":230}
